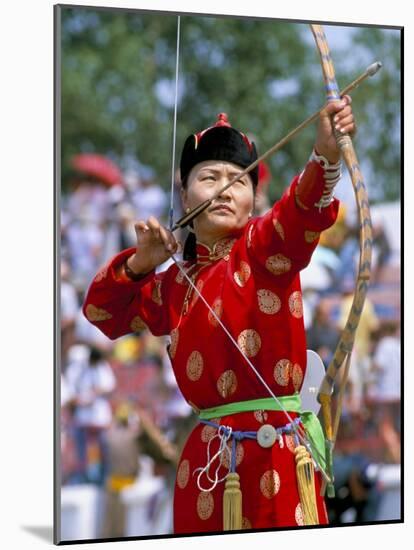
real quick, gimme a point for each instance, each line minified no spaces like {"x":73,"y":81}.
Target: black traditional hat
{"x":219,"y":142}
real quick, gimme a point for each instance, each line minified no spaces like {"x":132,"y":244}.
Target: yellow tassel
{"x":232,"y":503}
{"x":306,"y":484}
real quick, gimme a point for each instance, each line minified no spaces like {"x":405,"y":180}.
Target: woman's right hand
{"x":155,"y":244}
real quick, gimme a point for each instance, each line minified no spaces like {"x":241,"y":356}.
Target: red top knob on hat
{"x":222,"y":120}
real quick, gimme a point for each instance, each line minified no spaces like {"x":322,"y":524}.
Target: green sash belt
{"x":290,"y":403}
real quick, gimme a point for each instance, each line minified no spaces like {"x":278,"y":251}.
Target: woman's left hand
{"x":343,"y":120}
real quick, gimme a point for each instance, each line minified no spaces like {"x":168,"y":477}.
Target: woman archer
{"x":247,"y":270}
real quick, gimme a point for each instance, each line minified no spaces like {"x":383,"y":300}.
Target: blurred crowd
{"x":123,"y":419}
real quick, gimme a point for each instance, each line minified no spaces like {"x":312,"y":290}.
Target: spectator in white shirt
{"x":92,"y":381}
{"x":385,"y":389}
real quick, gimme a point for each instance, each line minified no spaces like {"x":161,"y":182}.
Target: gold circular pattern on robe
{"x":208,"y":432}
{"x":246,"y":523}
{"x":249,"y":342}
{"x":290,"y":442}
{"x":102,"y":273}
{"x":225,"y":460}
{"x":183,"y":474}
{"x":279,"y":229}
{"x":223,"y":247}
{"x":260,"y":416}
{"x":156,"y":292}
{"x":227,"y":383}
{"x":278,"y":264}
{"x":205,"y":505}
{"x":194,"y":366}
{"x":269,"y":302}
{"x":311,"y":236}
{"x":282,"y":372}
{"x":297,"y":376}
{"x":217,"y":307}
{"x":94,"y":313}
{"x":295,"y":304}
{"x":137,"y":324}
{"x":242,"y":275}
{"x":299,"y":515}
{"x":174,"y":335}
{"x":270,"y":484}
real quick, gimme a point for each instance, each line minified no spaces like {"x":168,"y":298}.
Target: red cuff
{"x":311,"y":186}
{"x":116,"y":268}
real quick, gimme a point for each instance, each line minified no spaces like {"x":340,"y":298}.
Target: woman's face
{"x":230,"y":211}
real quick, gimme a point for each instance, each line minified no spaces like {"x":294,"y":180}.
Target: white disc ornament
{"x":315,"y":372}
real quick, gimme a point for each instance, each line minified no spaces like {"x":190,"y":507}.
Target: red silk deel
{"x":251,"y":281}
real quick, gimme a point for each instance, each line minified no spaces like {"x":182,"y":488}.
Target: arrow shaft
{"x":185,"y":220}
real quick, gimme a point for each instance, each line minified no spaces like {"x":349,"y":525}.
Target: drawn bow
{"x":344,"y":347}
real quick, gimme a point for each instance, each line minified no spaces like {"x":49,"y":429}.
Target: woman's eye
{"x":208,"y":178}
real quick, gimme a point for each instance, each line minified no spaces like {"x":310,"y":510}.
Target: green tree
{"x":379,"y":112}
{"x":118,"y":70}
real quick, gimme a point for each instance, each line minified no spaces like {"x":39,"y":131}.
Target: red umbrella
{"x":98,"y":167}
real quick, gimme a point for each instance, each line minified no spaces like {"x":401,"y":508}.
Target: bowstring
{"x":177,"y":60}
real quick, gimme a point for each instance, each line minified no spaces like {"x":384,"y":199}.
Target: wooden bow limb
{"x":331,"y":429}
{"x":187,"y":218}
{"x":345,"y":344}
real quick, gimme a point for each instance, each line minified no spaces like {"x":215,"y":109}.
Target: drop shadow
{"x":40,"y":531}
